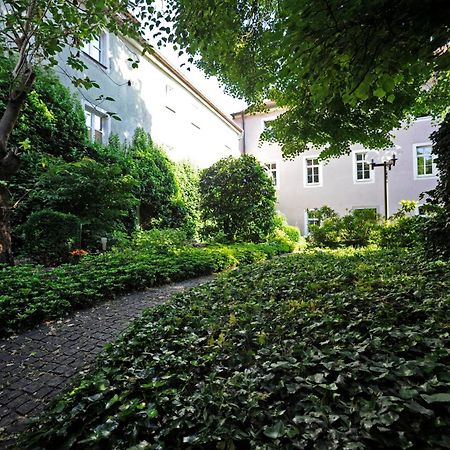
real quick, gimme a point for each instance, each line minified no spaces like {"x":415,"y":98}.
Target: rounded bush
{"x":238,"y":199}
{"x":49,"y":236}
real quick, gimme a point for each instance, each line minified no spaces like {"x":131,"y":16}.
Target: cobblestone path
{"x":38,"y":364}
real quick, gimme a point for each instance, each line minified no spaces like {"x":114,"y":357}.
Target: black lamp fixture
{"x":386,"y":159}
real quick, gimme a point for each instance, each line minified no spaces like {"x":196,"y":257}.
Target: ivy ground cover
{"x":321,"y":350}
{"x":31,"y":294}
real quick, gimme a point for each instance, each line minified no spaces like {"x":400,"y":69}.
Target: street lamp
{"x":386,"y":159}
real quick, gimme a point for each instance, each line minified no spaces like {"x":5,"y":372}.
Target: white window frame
{"x":105,"y":122}
{"x":355,"y":169}
{"x":305,"y":172}
{"x":103,"y":50}
{"x":432,"y":175}
{"x":264,"y":121}
{"x":307,"y":224}
{"x":270,"y":172}
{"x":170,"y":98}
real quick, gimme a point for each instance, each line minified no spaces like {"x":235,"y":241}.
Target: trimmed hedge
{"x":322,"y":350}
{"x":33,"y":294}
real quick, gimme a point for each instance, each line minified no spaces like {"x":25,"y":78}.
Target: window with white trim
{"x":313,"y":171}
{"x":425,"y":166}
{"x":271,"y":169}
{"x":96,"y":48}
{"x":95,"y":123}
{"x":310,"y":220}
{"x":362,"y":168}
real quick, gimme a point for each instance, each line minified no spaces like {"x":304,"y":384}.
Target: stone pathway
{"x":38,"y":364}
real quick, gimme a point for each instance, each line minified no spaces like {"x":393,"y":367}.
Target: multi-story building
{"x":155,"y":96}
{"x":345,"y":183}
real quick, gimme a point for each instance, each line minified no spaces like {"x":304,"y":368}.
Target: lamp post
{"x":387,"y":160}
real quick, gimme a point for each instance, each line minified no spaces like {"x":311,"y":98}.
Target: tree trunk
{"x":6,"y":256}
{"x":10,"y":161}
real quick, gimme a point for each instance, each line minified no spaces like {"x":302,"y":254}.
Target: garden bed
{"x":31,"y":294}
{"x":322,"y":350}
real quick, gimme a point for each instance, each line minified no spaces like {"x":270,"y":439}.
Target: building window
{"x":170,"y":98}
{"x":96,"y":48}
{"x":425,"y":166}
{"x":273,"y":173}
{"x":95,"y":123}
{"x":313,"y":169}
{"x":362,"y":168}
{"x":267,"y":123}
{"x":311,"y":219}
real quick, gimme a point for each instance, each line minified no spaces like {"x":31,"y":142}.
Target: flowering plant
{"x":78,"y":252}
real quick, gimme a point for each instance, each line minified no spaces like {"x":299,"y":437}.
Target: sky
{"x":208,"y":86}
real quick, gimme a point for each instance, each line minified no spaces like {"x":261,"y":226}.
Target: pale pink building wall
{"x":339,"y":190}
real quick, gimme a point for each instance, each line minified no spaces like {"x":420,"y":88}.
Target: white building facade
{"x":343,"y":183}
{"x":154,"y":96}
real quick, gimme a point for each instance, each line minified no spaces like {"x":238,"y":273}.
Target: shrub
{"x":437,"y":226}
{"x":322,"y":350}
{"x":359,"y":228}
{"x":96,"y":193}
{"x":402,"y":232}
{"x":51,"y":125}
{"x":292,"y":232}
{"x":30,"y":295}
{"x":160,"y":202}
{"x":49,"y":236}
{"x":188,"y":180}
{"x":161,"y":241}
{"x":238,"y":198}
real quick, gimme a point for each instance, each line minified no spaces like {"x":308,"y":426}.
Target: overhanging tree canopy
{"x":347,"y":71}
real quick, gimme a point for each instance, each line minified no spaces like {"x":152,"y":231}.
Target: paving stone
{"x":37,"y":365}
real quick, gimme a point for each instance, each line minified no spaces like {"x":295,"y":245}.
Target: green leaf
{"x":275,"y":431}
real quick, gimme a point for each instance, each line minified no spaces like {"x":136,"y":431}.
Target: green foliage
{"x":403,"y":232}
{"x":363,"y":227}
{"x":155,"y":185}
{"x":50,"y":235}
{"x":160,"y":240}
{"x":51,"y":125}
{"x":188,"y":178}
{"x":51,"y":121}
{"x":358,"y":228}
{"x":98,"y":194}
{"x":323,"y":350}
{"x":30,"y":295}
{"x":41,"y":30}
{"x":437,"y":227}
{"x":285,"y":235}
{"x":238,"y":199}
{"x":343,"y":73}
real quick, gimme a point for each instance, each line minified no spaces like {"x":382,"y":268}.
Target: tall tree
{"x":346,"y":71}
{"x":35,"y":32}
